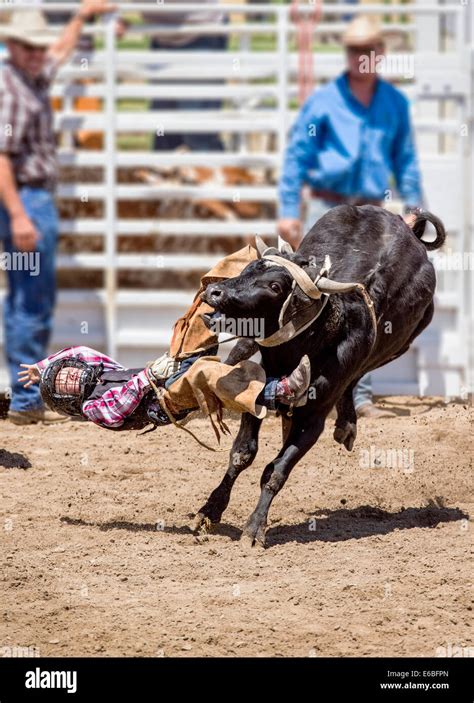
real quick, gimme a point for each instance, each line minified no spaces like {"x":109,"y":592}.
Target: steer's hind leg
{"x":304,"y":432}
{"x":345,"y":431}
{"x":242,"y":454}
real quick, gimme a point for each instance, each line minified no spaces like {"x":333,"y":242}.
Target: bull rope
{"x":371,"y":308}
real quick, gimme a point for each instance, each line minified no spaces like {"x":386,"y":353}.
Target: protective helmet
{"x":68,"y":403}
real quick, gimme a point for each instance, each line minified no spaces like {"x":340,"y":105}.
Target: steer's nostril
{"x":215,"y":293}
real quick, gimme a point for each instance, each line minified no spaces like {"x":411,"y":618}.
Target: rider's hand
{"x":30,"y":375}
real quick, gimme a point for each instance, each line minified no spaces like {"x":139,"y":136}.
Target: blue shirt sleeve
{"x":299,"y":157}
{"x":405,"y":161}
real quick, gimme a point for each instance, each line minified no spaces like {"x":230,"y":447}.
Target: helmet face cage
{"x":68,"y":403}
{"x":68,"y":381}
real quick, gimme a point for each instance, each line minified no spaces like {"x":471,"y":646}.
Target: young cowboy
{"x":81,"y":381}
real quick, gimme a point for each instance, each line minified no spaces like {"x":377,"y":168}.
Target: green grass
{"x":268,"y":42}
{"x":140,"y":142}
{"x":258,"y":42}
{"x":132,"y":105}
{"x":135,"y":142}
{"x":126,"y":44}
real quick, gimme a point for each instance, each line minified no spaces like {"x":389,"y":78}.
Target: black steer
{"x":365,"y":245}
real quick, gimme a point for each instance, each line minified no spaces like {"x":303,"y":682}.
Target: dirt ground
{"x":363,"y":557}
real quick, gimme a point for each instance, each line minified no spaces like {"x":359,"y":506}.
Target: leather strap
{"x":291,"y":329}
{"x":306,"y":284}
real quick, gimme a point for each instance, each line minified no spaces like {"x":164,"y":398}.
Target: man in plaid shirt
{"x":28,"y":176}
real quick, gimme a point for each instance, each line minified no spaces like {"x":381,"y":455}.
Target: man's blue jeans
{"x":317,"y":207}
{"x":28,"y":310}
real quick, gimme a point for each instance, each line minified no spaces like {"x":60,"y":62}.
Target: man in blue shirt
{"x":351,"y":137}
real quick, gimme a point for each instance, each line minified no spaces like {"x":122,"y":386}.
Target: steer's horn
{"x":325,"y":285}
{"x":261,"y":246}
{"x":286,"y":248}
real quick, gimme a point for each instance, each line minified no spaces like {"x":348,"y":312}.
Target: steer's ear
{"x":286,"y":249}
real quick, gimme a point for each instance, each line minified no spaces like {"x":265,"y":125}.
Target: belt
{"x":44,"y":184}
{"x":339,"y":199}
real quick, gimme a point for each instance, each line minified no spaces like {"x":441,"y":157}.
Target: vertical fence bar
{"x":110,"y":176}
{"x":469,"y":49}
{"x":282,"y":47}
{"x":462,"y":152}
{"x":282,"y":30}
{"x":466,"y":148}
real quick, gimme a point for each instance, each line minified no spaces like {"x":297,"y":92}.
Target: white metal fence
{"x":257,"y":88}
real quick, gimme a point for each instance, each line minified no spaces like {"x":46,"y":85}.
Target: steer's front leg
{"x":242,"y":454}
{"x":305,"y":430}
{"x":345,"y":431}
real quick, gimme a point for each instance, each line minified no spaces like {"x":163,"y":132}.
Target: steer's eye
{"x":275,"y":287}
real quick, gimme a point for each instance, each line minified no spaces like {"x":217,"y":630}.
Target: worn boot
{"x":372,"y":412}
{"x":162,"y":368}
{"x":293,"y":389}
{"x":32,"y":417}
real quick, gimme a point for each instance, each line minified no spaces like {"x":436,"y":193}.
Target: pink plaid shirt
{"x":116,"y":404}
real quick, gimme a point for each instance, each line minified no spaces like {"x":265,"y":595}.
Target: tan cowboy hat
{"x":363,"y":30}
{"x":30,"y":27}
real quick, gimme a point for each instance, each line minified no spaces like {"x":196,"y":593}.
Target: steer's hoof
{"x":252,"y":538}
{"x":201,"y":524}
{"x":346,"y":435}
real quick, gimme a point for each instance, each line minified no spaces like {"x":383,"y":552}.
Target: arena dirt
{"x":361,"y":559}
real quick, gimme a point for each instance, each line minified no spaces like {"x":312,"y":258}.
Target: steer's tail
{"x":418,"y":227}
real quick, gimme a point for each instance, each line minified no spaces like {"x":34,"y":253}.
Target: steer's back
{"x":359,"y":239}
{"x":372,"y":246}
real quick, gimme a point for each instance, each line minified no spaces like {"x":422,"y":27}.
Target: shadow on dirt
{"x":412,"y":406}
{"x":13,"y":460}
{"x":222,"y":529}
{"x":321,"y":526}
{"x":125,"y":525}
{"x":357,"y":523}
